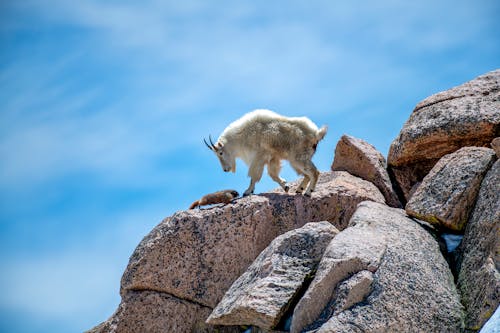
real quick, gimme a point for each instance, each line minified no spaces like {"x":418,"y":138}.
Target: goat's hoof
{"x":307,"y":194}
{"x":286,"y":188}
{"x":246,"y":194}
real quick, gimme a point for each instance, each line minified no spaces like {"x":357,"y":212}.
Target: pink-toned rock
{"x":196,"y":255}
{"x":261,"y":296}
{"x":467,"y":115}
{"x":363,"y":160}
{"x":448,"y":193}
{"x":150,"y":311}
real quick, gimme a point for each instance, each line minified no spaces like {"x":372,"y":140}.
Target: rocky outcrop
{"x":363,"y":160}
{"x":261,"y":296}
{"x":194,"y":256}
{"x":467,"y":115}
{"x":394,"y":266}
{"x":479,"y":254}
{"x":447,"y":194}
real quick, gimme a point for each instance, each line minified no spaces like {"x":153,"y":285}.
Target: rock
{"x":261,"y":296}
{"x":448,"y":193}
{"x":479,"y":254}
{"x":394,"y":266}
{"x":222,"y":242}
{"x":466,"y":115}
{"x":196,"y":255}
{"x":351,"y":291}
{"x":495,"y":144}
{"x":149,"y":311}
{"x":363,"y":160}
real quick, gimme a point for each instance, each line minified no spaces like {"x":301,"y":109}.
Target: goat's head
{"x":225,"y":156}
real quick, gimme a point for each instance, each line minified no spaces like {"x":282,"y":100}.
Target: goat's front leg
{"x":312,"y":172}
{"x":306,"y":167}
{"x":273,"y":169}
{"x":255,"y":174}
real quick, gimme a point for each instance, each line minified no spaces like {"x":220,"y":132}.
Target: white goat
{"x":263,"y":137}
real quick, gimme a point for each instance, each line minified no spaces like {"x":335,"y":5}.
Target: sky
{"x":105,"y":104}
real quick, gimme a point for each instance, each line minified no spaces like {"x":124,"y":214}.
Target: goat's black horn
{"x":209,"y":147}
{"x":210,"y":138}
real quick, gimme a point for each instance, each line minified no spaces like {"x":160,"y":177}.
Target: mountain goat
{"x":263,"y":137}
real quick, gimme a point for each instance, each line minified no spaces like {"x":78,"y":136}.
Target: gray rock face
{"x":467,"y":115}
{"x":363,"y":160}
{"x":394,"y":276}
{"x":263,"y":293}
{"x":478,"y":276}
{"x":196,"y":255}
{"x":448,"y":193}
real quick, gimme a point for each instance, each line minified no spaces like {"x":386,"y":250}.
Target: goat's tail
{"x":321,"y":133}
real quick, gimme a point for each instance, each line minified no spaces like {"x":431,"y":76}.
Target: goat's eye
{"x":220,"y":153}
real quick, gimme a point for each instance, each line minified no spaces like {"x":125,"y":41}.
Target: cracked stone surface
{"x":261,"y":296}
{"x":447,"y":194}
{"x":466,"y":115}
{"x":395,"y":272}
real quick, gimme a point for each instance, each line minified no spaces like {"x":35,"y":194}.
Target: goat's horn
{"x":210,"y":138}
{"x":209,"y":147}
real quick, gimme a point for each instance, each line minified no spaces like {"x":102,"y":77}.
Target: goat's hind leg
{"x":273,"y":169}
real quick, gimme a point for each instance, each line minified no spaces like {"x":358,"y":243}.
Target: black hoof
{"x":286,"y":188}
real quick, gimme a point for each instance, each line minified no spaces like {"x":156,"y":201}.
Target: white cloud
{"x":312,"y":59}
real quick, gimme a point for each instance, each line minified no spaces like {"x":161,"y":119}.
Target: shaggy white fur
{"x":263,"y":137}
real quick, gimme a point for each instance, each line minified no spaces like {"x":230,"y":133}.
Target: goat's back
{"x":268,"y":124}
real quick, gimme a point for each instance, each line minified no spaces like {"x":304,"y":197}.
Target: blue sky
{"x":104,"y":105}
